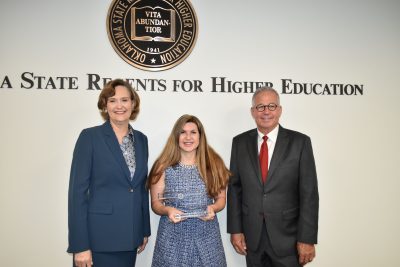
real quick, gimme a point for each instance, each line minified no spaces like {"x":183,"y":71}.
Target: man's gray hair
{"x":264,"y":89}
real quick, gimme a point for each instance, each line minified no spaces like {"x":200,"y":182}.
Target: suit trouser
{"x":114,"y":259}
{"x":264,"y":255}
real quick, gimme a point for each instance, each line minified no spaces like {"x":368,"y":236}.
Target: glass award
{"x":193,"y":204}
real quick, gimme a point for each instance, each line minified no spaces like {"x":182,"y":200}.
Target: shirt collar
{"x":130,"y":131}
{"x":272,"y":135}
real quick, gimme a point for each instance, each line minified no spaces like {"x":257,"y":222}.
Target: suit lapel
{"x":138,"y":155}
{"x":112,"y":143}
{"x":280,"y":148}
{"x":252,"y":146}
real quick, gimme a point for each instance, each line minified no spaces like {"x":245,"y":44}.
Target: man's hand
{"x":306,"y":252}
{"x":83,"y":259}
{"x":239,"y":243}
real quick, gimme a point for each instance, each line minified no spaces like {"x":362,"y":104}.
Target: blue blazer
{"x":106,"y":210}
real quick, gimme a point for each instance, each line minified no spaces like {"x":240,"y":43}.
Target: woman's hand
{"x":83,"y":259}
{"x":143,"y":245}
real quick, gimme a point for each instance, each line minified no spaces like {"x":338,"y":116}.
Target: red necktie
{"x":264,"y":159}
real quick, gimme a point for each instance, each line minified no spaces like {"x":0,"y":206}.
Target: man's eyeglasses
{"x":270,"y":106}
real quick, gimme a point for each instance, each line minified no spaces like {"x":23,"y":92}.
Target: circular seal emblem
{"x":152,"y":35}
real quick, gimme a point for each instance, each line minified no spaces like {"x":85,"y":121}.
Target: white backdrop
{"x":355,"y":138}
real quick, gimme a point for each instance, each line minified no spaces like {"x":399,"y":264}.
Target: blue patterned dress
{"x":191,"y":242}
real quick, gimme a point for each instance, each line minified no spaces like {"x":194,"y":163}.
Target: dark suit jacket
{"x":106,"y":210}
{"x":288,"y":200}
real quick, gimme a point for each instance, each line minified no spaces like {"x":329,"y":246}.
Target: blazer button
{"x":131,"y":190}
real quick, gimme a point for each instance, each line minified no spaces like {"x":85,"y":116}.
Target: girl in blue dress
{"x":187,"y":184}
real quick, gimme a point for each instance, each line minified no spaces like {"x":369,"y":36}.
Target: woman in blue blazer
{"x":108,"y":205}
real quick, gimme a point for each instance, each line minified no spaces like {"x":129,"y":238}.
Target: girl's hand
{"x":172,"y":215}
{"x":210,"y":214}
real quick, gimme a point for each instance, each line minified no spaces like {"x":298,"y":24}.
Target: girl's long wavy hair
{"x":210,"y":165}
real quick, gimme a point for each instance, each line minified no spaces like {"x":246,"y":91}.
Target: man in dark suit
{"x":273,"y":194}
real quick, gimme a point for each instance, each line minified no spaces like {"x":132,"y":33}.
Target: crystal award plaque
{"x":193,"y":204}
